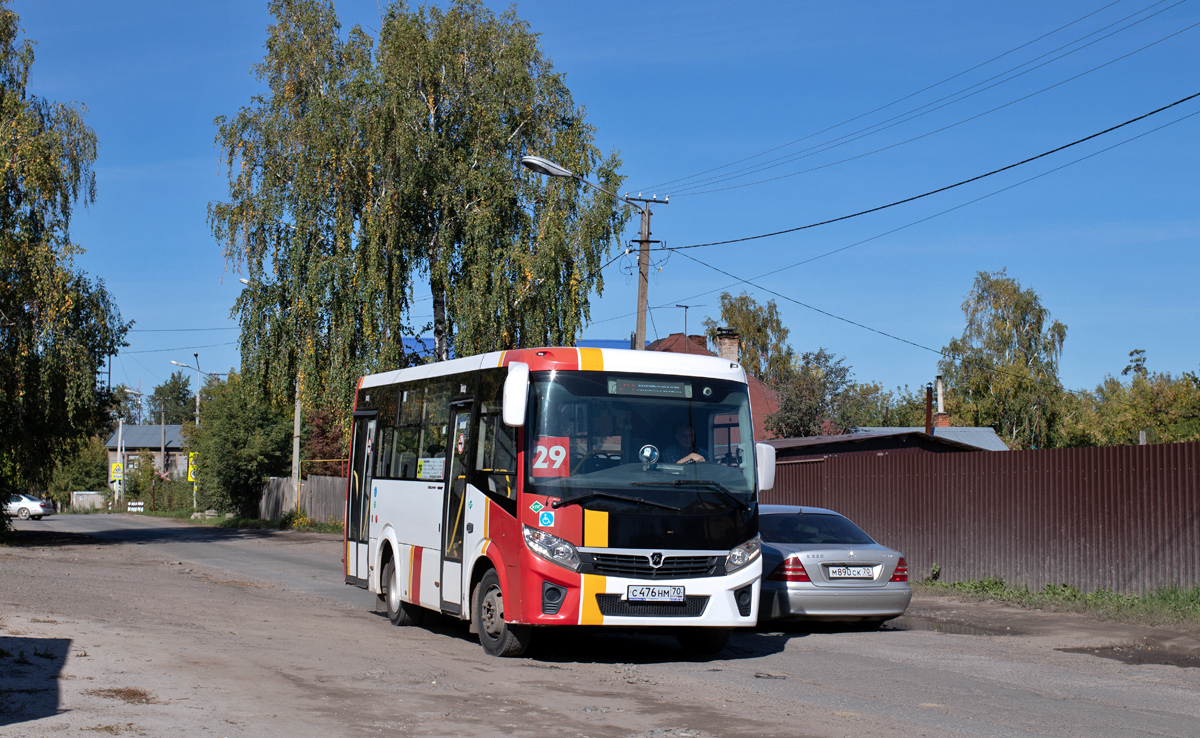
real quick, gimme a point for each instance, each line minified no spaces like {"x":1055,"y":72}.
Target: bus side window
{"x":383,"y":458}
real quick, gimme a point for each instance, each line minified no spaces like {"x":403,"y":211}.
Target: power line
{"x":179,"y":330}
{"x":941,"y":189}
{"x":911,"y":95}
{"x":752,"y":283}
{"x":179,"y":348}
{"x":845,"y":139}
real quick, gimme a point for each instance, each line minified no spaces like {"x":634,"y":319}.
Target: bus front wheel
{"x":399,"y":611}
{"x":498,"y":637}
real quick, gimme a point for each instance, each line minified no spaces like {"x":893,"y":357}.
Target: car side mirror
{"x":764,"y":458}
{"x":516,"y":393}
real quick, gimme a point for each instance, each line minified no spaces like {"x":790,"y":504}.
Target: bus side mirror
{"x":516,"y":392}
{"x":764,"y":457}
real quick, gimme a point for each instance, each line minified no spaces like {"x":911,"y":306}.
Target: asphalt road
{"x":150,"y":627}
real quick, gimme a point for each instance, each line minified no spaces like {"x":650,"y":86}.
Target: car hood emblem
{"x":656,"y":560}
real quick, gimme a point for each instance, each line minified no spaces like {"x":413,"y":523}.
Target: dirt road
{"x":129,"y":626}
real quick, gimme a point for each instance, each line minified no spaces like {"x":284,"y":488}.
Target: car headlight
{"x":551,"y":548}
{"x":742,"y":556}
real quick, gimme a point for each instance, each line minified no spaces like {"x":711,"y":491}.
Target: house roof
{"x":147,"y":436}
{"x":763,"y":400}
{"x":852,"y":438}
{"x":984,"y":438}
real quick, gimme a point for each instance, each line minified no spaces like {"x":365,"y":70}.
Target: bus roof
{"x":572,"y":359}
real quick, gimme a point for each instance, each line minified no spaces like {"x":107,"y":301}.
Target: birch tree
{"x":57,"y":325}
{"x":1003,"y":371}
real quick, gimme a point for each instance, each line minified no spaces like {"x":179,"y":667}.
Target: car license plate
{"x":645,"y":593}
{"x":851,"y":572}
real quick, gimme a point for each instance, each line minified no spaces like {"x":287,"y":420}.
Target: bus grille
{"x":611,"y":605}
{"x":638,"y":567}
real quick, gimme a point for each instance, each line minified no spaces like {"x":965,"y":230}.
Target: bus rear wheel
{"x":498,"y":638}
{"x":399,"y":611}
{"x":703,"y":641}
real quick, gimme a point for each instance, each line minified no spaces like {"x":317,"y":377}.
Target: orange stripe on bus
{"x":589,"y":614}
{"x":591,"y":359}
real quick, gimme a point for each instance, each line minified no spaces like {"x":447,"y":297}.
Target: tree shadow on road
{"x":181,"y":533}
{"x":30,"y":669}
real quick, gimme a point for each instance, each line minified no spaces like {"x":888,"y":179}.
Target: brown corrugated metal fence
{"x":1123,"y":518}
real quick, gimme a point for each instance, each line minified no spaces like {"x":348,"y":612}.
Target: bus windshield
{"x":656,"y":439}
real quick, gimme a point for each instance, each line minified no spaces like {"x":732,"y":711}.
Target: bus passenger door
{"x":459,"y":457}
{"x":358,"y":512}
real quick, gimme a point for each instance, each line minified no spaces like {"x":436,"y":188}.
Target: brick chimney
{"x":729,"y":345}
{"x":941,"y":419}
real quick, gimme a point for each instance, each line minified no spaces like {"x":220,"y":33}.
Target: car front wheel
{"x":23,"y":513}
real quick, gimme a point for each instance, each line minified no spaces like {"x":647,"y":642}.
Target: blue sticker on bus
{"x":546,"y":519}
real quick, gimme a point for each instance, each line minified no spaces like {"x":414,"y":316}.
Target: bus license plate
{"x":644,"y":593}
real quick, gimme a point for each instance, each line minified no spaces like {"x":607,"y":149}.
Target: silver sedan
{"x":27,"y":506}
{"x":818,"y":565}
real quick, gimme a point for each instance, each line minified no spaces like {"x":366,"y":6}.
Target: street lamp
{"x":549,"y":168}
{"x":198,"y":371}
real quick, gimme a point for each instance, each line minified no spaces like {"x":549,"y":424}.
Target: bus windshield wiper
{"x":609,"y":496}
{"x":715,"y":486}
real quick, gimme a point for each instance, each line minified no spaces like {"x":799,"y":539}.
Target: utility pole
{"x":644,"y":242}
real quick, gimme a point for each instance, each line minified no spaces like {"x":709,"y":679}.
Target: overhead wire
{"x":752,"y":282}
{"x":865,"y":132}
{"x":940,"y":189}
{"x":913,"y":94}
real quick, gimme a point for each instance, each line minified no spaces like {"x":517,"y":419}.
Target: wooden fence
{"x":1124,"y":518}
{"x":324,"y":498}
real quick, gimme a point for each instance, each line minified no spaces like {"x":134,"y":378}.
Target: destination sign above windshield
{"x":649,"y":388}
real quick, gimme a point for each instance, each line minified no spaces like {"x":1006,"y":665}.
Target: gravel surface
{"x":122,"y":625}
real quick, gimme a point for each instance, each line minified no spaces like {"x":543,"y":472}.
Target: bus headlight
{"x":551,"y":548}
{"x":743,"y":555}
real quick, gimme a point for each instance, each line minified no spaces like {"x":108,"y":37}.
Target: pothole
{"x":1140,"y":654}
{"x":941,"y":626}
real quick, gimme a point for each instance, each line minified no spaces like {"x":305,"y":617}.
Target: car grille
{"x":611,"y":605}
{"x":636,"y":566}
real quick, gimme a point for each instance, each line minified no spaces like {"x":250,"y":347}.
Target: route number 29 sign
{"x":550,"y":457}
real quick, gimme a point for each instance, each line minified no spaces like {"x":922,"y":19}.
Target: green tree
{"x":765,"y":352}
{"x":85,"y":469}
{"x":819,"y":400}
{"x":242,"y":440}
{"x":361,"y":170}
{"x":56,"y":325}
{"x":175,"y":397}
{"x":1165,"y":407}
{"x":1003,"y":371}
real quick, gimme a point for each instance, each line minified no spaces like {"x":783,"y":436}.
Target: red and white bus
{"x":559,"y":486}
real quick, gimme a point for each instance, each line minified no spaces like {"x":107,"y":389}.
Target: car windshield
{"x":811,"y":528}
{"x":664,"y":439}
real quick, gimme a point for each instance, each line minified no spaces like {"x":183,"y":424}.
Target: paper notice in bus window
{"x":550,"y":457}
{"x":431,"y":468}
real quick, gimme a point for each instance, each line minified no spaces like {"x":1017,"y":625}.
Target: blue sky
{"x":680,"y":88}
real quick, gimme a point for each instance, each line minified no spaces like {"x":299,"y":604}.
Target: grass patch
{"x":1176,"y":606}
{"x":132,"y":695}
